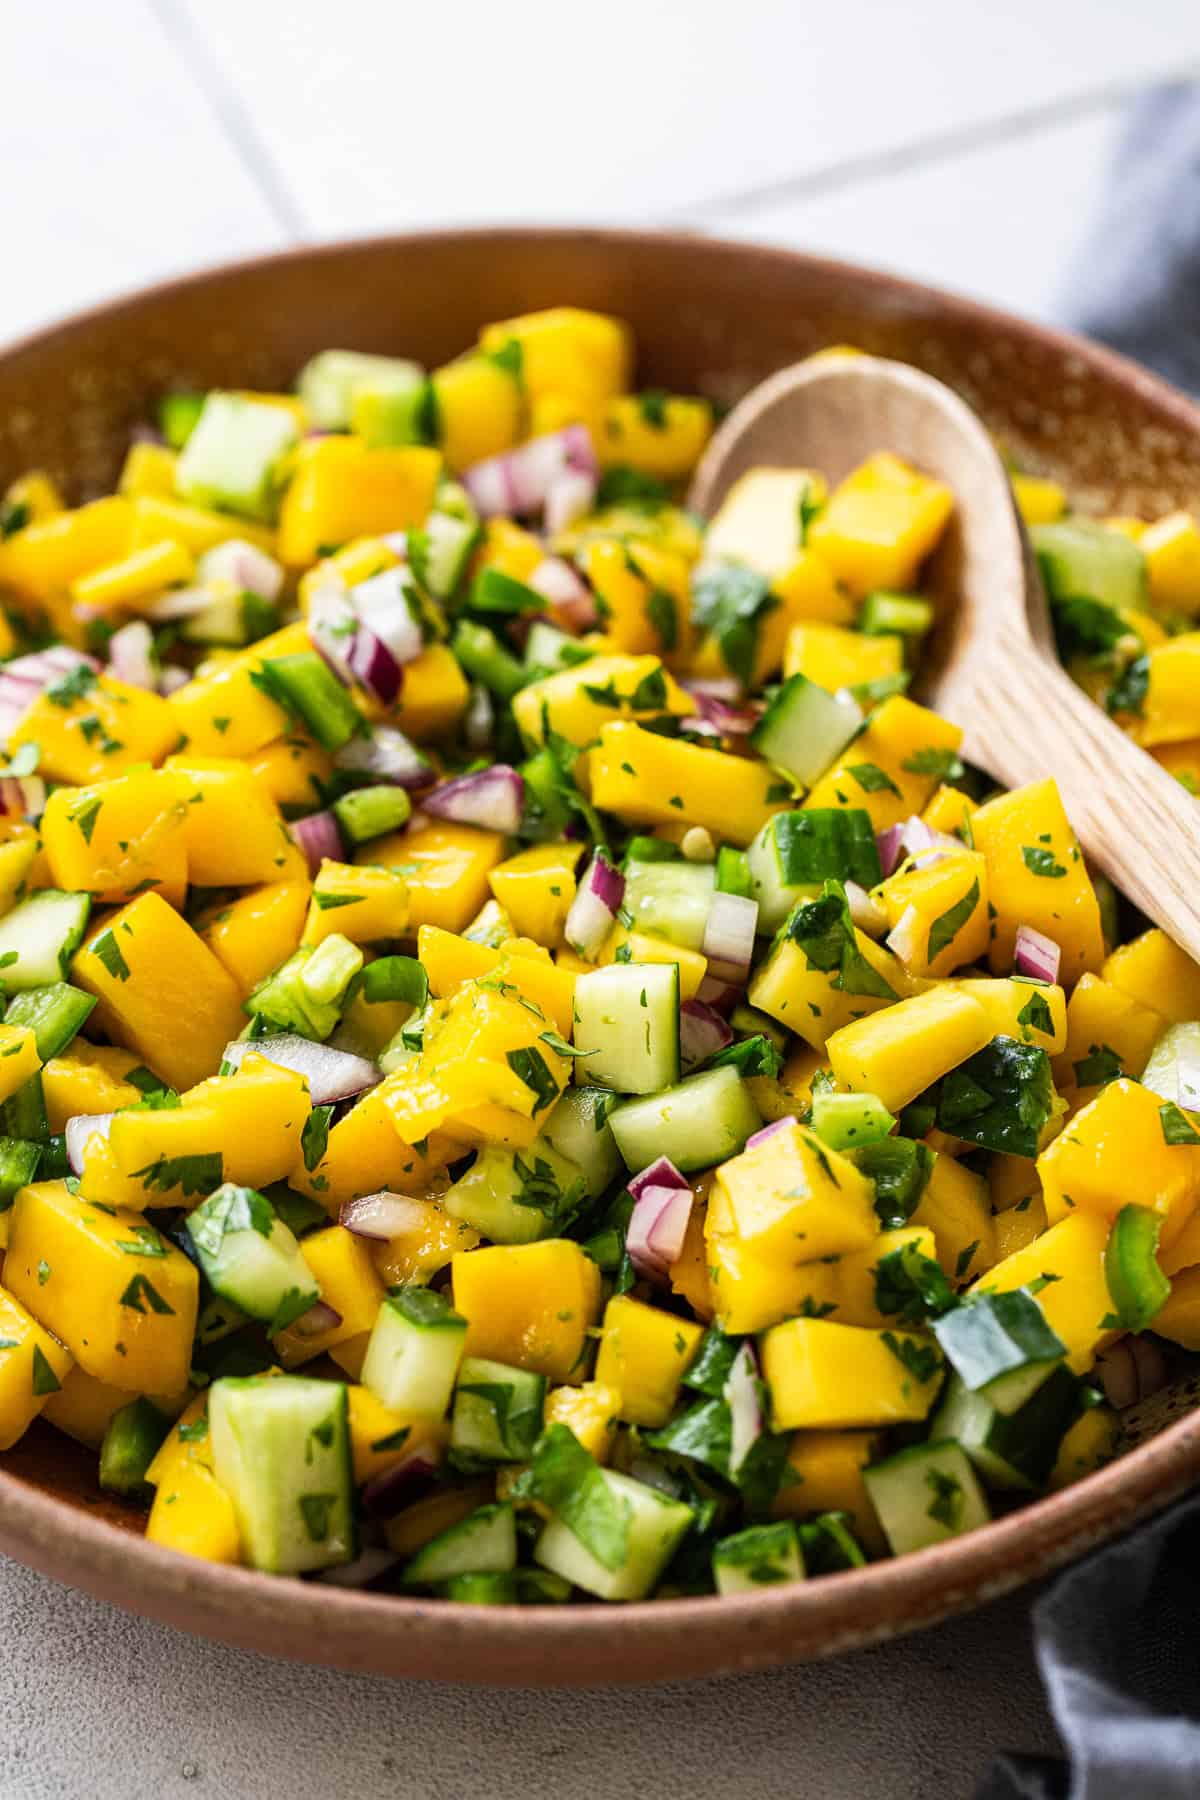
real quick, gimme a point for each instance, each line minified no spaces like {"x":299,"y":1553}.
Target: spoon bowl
{"x":993,"y":667}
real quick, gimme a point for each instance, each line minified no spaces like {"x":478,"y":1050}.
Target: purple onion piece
{"x":79,"y":1129}
{"x":319,"y":1318}
{"x":661,"y":1173}
{"x":743,"y":1396}
{"x":374,"y":667}
{"x":519,"y":481}
{"x":722,"y":996}
{"x":368,"y":1566}
{"x":386,"y":1493}
{"x":656,"y":1230}
{"x":729,"y":934}
{"x":22,"y":796}
{"x":702,"y":1033}
{"x":333,"y":630}
{"x":1036,"y":955}
{"x":131,"y":656}
{"x":492,"y":798}
{"x":331,"y":1074}
{"x":386,"y":755}
{"x":768,"y":1131}
{"x":318,"y":836}
{"x":380,"y":1216}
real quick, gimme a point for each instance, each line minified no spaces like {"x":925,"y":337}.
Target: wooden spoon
{"x":993,"y":664}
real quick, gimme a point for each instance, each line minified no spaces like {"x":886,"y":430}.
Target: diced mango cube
{"x":899,"y":1052}
{"x":881,"y":523}
{"x":529,"y":1305}
{"x":821,"y":1375}
{"x":644,"y":1355}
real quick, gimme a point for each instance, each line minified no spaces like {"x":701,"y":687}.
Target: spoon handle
{"x":1025,"y":719}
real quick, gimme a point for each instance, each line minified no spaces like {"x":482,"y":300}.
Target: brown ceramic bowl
{"x":708,"y":316}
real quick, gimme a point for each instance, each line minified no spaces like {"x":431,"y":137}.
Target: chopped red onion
{"x":728,"y":720}
{"x":867,"y":913}
{"x":594,"y":909}
{"x":249,"y":569}
{"x":660,"y":1173}
{"x":768,"y":1131}
{"x":131,"y":656}
{"x":1035,"y":954}
{"x":723,"y":996}
{"x":656,"y":1230}
{"x":172,"y":678}
{"x":319,"y":1318}
{"x":25,"y":677}
{"x":180,"y":603}
{"x":331,"y":1074}
{"x":479,"y":720}
{"x":374,"y":667}
{"x":492,"y":798}
{"x":912,"y":837}
{"x":904,"y":939}
{"x":333,"y":629}
{"x":319,"y":837}
{"x":554,"y":579}
{"x":79,"y":1129}
{"x":743,"y":1396}
{"x":386,"y":607}
{"x":702,"y":1032}
{"x":22,"y":796}
{"x":518,"y":481}
{"x":386,"y":755}
{"x":715,"y":687}
{"x":729,"y":935}
{"x":397,"y":543}
{"x":381,"y":1216}
{"x":569,"y":498}
{"x":367,"y":1567}
{"x":387,"y":1492}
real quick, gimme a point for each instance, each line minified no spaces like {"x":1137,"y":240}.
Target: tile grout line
{"x":959,"y":140}
{"x":232,"y":115}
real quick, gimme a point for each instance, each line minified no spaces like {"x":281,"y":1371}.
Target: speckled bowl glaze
{"x":708,"y":316}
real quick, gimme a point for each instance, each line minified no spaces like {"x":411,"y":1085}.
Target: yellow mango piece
{"x":159,"y":519}
{"x":1019,"y":1226}
{"x":1039,"y":500}
{"x":949,"y":810}
{"x":530,"y":1305}
{"x":899,"y":734}
{"x":346,"y":1276}
{"x":82,"y":1407}
{"x":825,"y":1474}
{"x":881,"y":523}
{"x":790,"y":1197}
{"x":128,"y":1317}
{"x":1170,"y":713}
{"x":1113,"y":1153}
{"x":536,"y":888}
{"x":150,"y":971}
{"x":235,"y":835}
{"x":820,"y":1375}
{"x":853,"y":1289}
{"x":450,"y":961}
{"x":899,"y":1052}
{"x":1178,"y":1318}
{"x":644,"y":1355}
{"x":811,"y":1001}
{"x":1155,"y":971}
{"x":192,"y":1513}
{"x":104,"y":731}
{"x":427,"y":1518}
{"x":591,"y":1411}
{"x":939,"y":914}
{"x":479,"y":409}
{"x":1182,"y":760}
{"x":956,"y":1208}
{"x":33,"y":1366}
{"x":434,"y":696}
{"x":38,"y":493}
{"x":653,"y":780}
{"x":20,"y":847}
{"x":749,"y":1290}
{"x":148,"y":469}
{"x":381,"y":1438}
{"x":1088,"y":1444}
{"x":1037,"y":877}
{"x":1172,"y":550}
{"x":140,"y":576}
{"x":39,"y":563}
{"x":88,"y":1078}
{"x":364,"y":1154}
{"x":19,"y":1059}
{"x":577,"y":702}
{"x":807,"y":590}
{"x":690,"y":1271}
{"x":261,"y":1111}
{"x":426,"y":1245}
{"x":758,"y":521}
{"x":1102,"y":1018}
{"x":362,"y":903}
{"x":292,"y":771}
{"x":643,"y":947}
{"x":258,"y":931}
{"x":834,"y":657}
{"x":508,"y":547}
{"x":659,"y":434}
{"x":342,"y":490}
{"x":568,"y":351}
{"x":224,"y":714}
{"x":446,"y":867}
{"x":1075,"y":1299}
{"x":643,"y":595}
{"x":1018,"y":1009}
{"x":117,"y":838}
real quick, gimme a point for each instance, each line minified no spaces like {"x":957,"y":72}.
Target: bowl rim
{"x":648,"y":1640}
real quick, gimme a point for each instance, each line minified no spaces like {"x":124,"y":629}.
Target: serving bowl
{"x":711,"y":317}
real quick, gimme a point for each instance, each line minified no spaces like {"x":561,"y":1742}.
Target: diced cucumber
{"x":655,"y":1526}
{"x":760,"y":1556}
{"x":250,"y":1257}
{"x":281,"y":1450}
{"x":39,"y":937}
{"x":1001,"y":1346}
{"x":671,"y":900}
{"x":795,"y":853}
{"x":328,"y":381}
{"x":517,"y":1196}
{"x":484,"y":1543}
{"x":627,"y":1025}
{"x":701,"y":1121}
{"x":392,"y":409}
{"x":134,"y":1436}
{"x":1173,"y":1070}
{"x":440,"y":551}
{"x":805,"y":728}
{"x":549,"y":648}
{"x":414,"y":1351}
{"x":1081,"y":560}
{"x":19,"y":1165}
{"x":848,"y":1121}
{"x":925,"y":1495}
{"x":498,"y":1411}
{"x":307,"y":688}
{"x":370,"y":812}
{"x":899,"y":615}
{"x":236,"y":617}
{"x":498,"y":1588}
{"x":579,"y":1130}
{"x":233,"y":457}
{"x":53,"y":1013}
{"x":1014,"y":1450}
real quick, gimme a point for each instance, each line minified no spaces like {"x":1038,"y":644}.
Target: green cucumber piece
{"x":995,"y":1337}
{"x":1080,"y":560}
{"x":578,"y":1129}
{"x":492,"y":1588}
{"x":177,"y":416}
{"x":925,"y":1495}
{"x":1015,"y":1450}
{"x":414,"y":1351}
{"x":250,"y":1257}
{"x":39,"y":937}
{"x":795,"y":853}
{"x":328,"y":382}
{"x":517,"y":1196}
{"x":671,"y":900}
{"x":655,"y":1527}
{"x":761,"y":1556}
{"x":1173,"y":1070}
{"x":699,"y":1122}
{"x":498,"y":1411}
{"x":234,"y":454}
{"x":805,"y":728}
{"x":895,"y":615}
{"x":440,"y":551}
{"x":484,"y":1543}
{"x":281,"y":1450}
{"x":547,"y":649}
{"x":848,"y":1121}
{"x":627,"y":1025}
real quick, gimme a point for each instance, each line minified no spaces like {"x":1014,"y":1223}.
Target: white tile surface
{"x":115,"y":169}
{"x":998,"y":223}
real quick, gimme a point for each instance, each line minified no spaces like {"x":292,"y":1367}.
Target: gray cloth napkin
{"x":1116,"y":1636}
